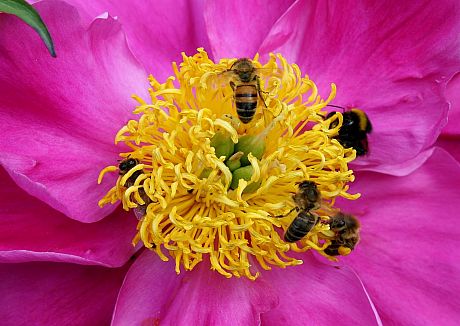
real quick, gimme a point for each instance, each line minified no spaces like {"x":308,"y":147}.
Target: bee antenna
{"x":119,"y":160}
{"x":336,"y":106}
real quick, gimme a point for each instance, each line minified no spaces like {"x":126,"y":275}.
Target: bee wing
{"x":270,"y":78}
{"x":269,"y":72}
{"x":140,"y":211}
{"x":365,"y":145}
{"x":221,"y":79}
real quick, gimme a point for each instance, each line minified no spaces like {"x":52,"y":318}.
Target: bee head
{"x":341,"y":222}
{"x":306,"y":185}
{"x":127,"y":165}
{"x":244,"y":69}
{"x":335,"y":122}
{"x":337,"y":224}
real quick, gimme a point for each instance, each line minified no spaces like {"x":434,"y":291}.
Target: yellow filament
{"x":192,"y":215}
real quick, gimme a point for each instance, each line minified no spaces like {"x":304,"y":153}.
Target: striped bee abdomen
{"x":300,"y":226}
{"x":246,"y":98}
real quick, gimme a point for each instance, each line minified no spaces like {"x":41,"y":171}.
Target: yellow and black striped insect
{"x":346,"y":228}
{"x":245,"y":83}
{"x":307,"y":199}
{"x":354,"y":130}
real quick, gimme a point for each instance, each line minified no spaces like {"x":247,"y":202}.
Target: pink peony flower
{"x":66,"y":261}
{"x":450,"y":137}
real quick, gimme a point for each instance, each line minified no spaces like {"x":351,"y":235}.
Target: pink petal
{"x":408,"y":256}
{"x":316,"y":293}
{"x":152,"y":293}
{"x":59,"y":116}
{"x":400,"y":168}
{"x":238,"y":28}
{"x":32,"y":231}
{"x":157,"y":31}
{"x":392,"y":59}
{"x":450,"y":137}
{"x":451,"y":144}
{"x":57,"y":294}
{"x":453,"y":96}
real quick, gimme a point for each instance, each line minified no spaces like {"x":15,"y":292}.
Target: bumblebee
{"x":245,"y":82}
{"x":307,"y":199}
{"x":346,"y":228}
{"x":124,"y":167}
{"x":353,"y":132}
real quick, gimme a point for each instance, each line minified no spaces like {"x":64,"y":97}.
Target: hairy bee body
{"x":300,"y":226}
{"x":246,"y":99}
{"x":307,"y":199}
{"x":127,"y":165}
{"x":354,"y":130}
{"x":246,"y":87}
{"x":346,"y":228}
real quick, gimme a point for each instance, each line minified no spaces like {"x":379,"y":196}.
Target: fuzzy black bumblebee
{"x":353,"y":132}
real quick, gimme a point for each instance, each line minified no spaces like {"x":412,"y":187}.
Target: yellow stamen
{"x":192,"y":214}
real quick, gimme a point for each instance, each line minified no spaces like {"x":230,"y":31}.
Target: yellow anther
{"x":104,"y":171}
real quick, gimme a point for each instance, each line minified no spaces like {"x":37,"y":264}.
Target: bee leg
{"x":260,"y":91}
{"x":262,"y":99}
{"x":233,"y":86}
{"x":333,"y":249}
{"x":280,"y":216}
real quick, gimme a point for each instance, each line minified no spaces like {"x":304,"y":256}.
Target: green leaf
{"x":29,"y":15}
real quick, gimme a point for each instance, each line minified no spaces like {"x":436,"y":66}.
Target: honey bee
{"x":246,"y":87}
{"x":124,"y":167}
{"x":346,"y":228}
{"x":353,"y":132}
{"x":307,"y":199}
{"x":300,"y":226}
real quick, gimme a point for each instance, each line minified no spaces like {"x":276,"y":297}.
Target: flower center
{"x":222,"y":162}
